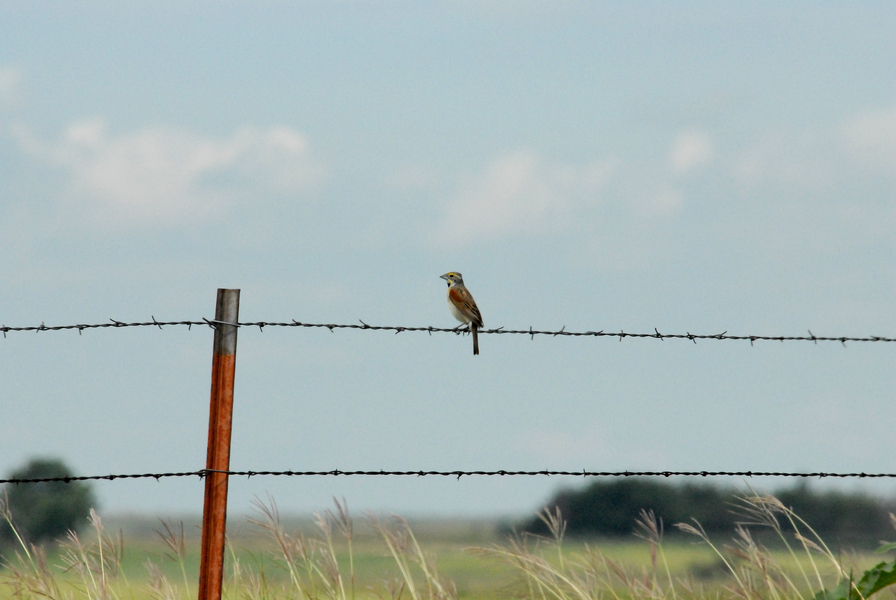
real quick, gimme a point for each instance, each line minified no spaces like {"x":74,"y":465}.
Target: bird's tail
{"x":475,"y":331}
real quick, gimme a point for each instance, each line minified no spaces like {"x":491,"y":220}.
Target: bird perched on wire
{"x":462,"y":305}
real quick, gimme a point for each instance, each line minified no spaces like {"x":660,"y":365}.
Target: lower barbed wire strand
{"x":458,"y":474}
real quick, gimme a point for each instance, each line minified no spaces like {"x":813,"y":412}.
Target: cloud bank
{"x":162,"y":172}
{"x":521,"y":194}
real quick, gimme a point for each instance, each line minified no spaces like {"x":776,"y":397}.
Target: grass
{"x":335,"y":557}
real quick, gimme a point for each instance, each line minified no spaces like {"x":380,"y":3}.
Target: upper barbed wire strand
{"x":693,"y":337}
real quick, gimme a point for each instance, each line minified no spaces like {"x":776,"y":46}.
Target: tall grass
{"x":92,"y":567}
{"x":315,"y":567}
{"x":803,"y":571}
{"x":322,"y":564}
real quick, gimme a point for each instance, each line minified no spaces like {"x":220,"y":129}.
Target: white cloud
{"x":845,"y":153}
{"x":691,"y":150}
{"x":664,"y":204}
{"x":164,"y":172}
{"x":11,"y":91}
{"x":870,"y":138}
{"x":797,"y":160}
{"x":521,"y":194}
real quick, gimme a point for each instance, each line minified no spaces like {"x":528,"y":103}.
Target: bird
{"x":462,"y":305}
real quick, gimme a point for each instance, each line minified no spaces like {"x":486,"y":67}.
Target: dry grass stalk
{"x":96,"y":563}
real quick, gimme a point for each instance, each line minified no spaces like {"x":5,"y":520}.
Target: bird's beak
{"x":445,"y":277}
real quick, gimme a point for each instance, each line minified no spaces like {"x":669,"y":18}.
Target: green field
{"x":341,"y":557}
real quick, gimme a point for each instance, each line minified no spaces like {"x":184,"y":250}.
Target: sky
{"x":691,"y":166}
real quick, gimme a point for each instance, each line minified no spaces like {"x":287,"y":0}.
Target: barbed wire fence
{"x":217,"y":472}
{"x":531,"y":332}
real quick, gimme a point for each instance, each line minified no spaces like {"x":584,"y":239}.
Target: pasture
{"x":341,"y":556}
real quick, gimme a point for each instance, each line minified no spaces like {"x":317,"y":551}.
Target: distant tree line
{"x":610,"y":508}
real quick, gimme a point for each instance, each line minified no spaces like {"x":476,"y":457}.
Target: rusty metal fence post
{"x":214,"y":514}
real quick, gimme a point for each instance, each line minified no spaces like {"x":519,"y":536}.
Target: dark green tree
{"x":838,"y":515}
{"x":45,"y":511}
{"x":610,"y":508}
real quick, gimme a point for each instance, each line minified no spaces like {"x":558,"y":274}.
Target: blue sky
{"x":689,"y":166}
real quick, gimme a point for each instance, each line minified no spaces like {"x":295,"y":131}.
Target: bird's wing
{"x":463,"y":300}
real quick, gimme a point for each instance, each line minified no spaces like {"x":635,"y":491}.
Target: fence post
{"x":220,"y":420}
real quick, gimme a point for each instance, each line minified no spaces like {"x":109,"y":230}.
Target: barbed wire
{"x":457,"y":474}
{"x":531,"y":332}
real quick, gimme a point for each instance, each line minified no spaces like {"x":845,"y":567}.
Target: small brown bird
{"x":462,"y":305}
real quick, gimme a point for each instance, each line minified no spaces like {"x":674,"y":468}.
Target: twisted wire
{"x":531,"y":332}
{"x":456,"y":474}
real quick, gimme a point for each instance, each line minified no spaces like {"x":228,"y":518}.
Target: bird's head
{"x":453,"y":278}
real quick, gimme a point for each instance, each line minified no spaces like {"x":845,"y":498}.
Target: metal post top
{"x":227,"y":310}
